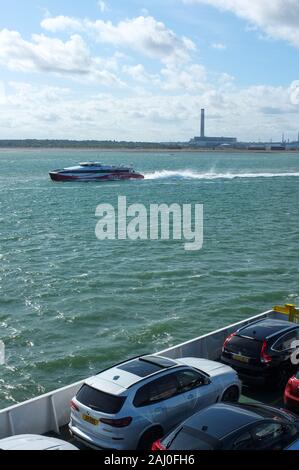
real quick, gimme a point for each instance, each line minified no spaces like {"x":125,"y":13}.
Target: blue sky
{"x":141,"y":70}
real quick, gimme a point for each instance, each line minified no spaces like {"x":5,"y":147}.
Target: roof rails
{"x":160,"y":361}
{"x":119,"y":363}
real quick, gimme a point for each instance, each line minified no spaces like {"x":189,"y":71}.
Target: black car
{"x":261,"y":351}
{"x":234,"y":427}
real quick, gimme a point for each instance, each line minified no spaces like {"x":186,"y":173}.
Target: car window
{"x":187,"y":439}
{"x":268,"y":435}
{"x":157,"y":390}
{"x":100,"y":401}
{"x":189,"y":379}
{"x":243,"y":442}
{"x":286,"y":341}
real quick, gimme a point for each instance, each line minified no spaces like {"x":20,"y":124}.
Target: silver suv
{"x":132,"y":404}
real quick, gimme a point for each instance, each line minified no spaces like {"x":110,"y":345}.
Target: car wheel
{"x":231,"y":395}
{"x":149,"y":437}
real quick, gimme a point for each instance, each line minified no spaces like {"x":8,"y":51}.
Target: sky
{"x":141,"y":70}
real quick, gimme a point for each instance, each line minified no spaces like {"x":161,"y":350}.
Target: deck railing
{"x":51,"y":411}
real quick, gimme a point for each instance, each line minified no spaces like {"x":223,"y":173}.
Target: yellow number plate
{"x":237,"y":357}
{"x":91,"y":420}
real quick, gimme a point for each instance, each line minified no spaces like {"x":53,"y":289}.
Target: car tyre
{"x":149,"y":437}
{"x":231,"y":395}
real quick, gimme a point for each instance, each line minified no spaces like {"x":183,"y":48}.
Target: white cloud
{"x":102,"y":6}
{"x":52,"y":55}
{"x":2,"y":93}
{"x":278,"y":18}
{"x":139,"y":74}
{"x":191,"y":78}
{"x":147,"y":36}
{"x":51,"y":112}
{"x":219,"y":46}
{"x":143,"y":34}
{"x":294,"y":92}
{"x":61,"y":23}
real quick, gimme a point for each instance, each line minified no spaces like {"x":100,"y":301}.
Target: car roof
{"x":221,"y":419}
{"x":265,"y":328}
{"x":34,"y":442}
{"x":121,"y":377}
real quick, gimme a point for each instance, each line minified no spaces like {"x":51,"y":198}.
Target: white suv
{"x":134,"y":403}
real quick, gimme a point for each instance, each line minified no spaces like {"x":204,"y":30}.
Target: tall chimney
{"x":202,"y":123}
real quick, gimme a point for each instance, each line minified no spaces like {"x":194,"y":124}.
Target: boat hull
{"x":55,"y":176}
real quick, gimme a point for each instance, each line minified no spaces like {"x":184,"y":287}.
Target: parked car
{"x":291,"y":393}
{"x":135,"y":402}
{"x":223,"y":426}
{"x":261,"y":351}
{"x":33,"y":442}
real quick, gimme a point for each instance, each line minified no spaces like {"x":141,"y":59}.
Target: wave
{"x":190,"y":174}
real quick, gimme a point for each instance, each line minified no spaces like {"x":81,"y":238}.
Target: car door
{"x":160,"y":403}
{"x":197,"y":390}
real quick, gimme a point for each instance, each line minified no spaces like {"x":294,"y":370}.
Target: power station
{"x":204,"y":141}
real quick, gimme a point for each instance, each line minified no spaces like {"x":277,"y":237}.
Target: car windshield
{"x":187,"y":438}
{"x":100,"y":401}
{"x":297,"y":375}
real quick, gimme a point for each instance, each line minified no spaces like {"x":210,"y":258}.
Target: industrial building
{"x":211,"y":142}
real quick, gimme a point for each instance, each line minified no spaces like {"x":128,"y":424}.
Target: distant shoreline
{"x":148,"y":150}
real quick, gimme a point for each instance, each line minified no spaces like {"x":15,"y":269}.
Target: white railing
{"x":51,"y":411}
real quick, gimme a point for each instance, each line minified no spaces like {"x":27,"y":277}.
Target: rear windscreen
{"x":239,"y":344}
{"x":100,"y":401}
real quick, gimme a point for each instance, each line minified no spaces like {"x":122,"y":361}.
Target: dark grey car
{"x":235,"y":427}
{"x":261,"y":352}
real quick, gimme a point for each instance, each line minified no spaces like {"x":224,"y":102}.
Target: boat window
{"x":100,"y":401}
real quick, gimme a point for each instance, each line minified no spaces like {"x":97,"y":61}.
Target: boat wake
{"x":190,"y":174}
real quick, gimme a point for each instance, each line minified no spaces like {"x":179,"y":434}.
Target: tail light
{"x":292,"y":387}
{"x":264,"y":356}
{"x":74,"y":406}
{"x":117,"y":423}
{"x":289,"y":387}
{"x":157,"y":445}
{"x":227,"y":340}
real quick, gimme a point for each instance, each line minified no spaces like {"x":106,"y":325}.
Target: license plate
{"x":240,"y":358}
{"x":91,"y":420}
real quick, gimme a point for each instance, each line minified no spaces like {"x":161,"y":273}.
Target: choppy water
{"x":70,"y":304}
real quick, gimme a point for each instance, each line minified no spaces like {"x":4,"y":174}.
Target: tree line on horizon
{"x":49,"y":143}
